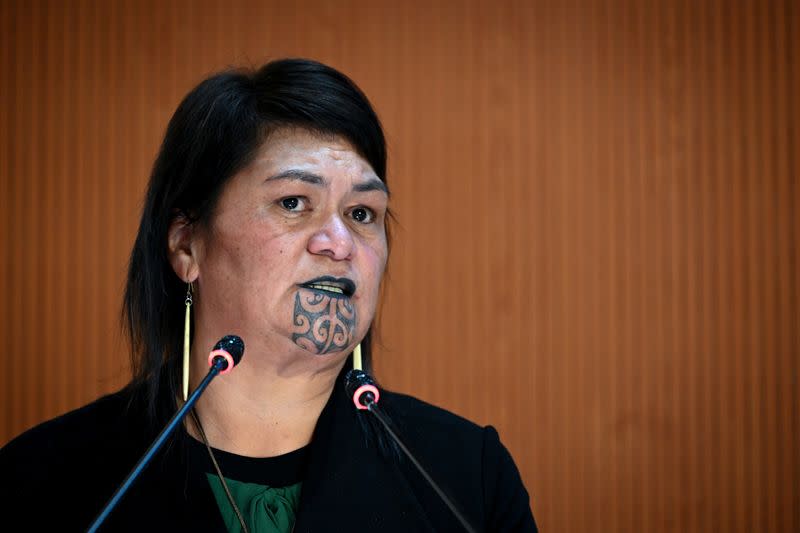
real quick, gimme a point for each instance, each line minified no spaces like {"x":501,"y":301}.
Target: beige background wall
{"x":597,"y":249}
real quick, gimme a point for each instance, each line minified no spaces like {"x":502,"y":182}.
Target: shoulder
{"x":435,"y":425}
{"x":82,"y":456}
{"x":71,"y":445}
{"x":468,"y":457}
{"x":74,"y":429}
{"x":445,"y":431}
{"x":423,"y":415}
{"x":440,"y":430}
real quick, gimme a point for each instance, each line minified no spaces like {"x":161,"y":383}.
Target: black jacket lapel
{"x":350,"y":486}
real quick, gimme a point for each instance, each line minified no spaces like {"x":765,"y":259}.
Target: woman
{"x":266,"y":217}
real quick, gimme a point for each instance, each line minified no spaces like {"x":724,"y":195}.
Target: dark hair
{"x":214,"y":133}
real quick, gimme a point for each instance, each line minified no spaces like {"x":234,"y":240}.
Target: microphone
{"x":226,"y":354}
{"x":365,"y":394}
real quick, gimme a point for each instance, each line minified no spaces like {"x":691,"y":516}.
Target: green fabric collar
{"x":265,"y":509}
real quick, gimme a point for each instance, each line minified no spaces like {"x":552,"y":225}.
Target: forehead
{"x":300,"y":149}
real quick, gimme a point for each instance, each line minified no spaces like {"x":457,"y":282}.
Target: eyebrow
{"x":298,"y":175}
{"x":371,"y":185}
{"x":316,"y":179}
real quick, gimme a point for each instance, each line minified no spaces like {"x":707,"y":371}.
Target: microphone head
{"x":354,"y":379}
{"x":234,"y":345}
{"x":361,"y":388}
{"x":229,"y":347}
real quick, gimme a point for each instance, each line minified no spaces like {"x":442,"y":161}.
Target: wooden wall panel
{"x":597,"y":239}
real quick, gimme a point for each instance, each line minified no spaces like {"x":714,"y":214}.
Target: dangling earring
{"x":357,"y":357}
{"x":187,"y":341}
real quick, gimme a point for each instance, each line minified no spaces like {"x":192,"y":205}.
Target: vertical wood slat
{"x":7,"y":36}
{"x":598,"y":207}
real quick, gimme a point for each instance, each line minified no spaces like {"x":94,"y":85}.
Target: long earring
{"x":357,"y":357}
{"x":187,"y":340}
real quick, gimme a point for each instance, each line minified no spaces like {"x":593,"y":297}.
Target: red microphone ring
{"x":224,"y":354}
{"x":361,"y":390}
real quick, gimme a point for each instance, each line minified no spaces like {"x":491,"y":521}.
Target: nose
{"x":333,"y":239}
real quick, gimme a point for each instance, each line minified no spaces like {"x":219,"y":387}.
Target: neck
{"x":258,"y":411}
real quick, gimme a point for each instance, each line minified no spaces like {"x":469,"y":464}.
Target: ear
{"x":182,"y":246}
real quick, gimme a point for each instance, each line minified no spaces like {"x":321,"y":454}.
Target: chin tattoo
{"x":323,"y":323}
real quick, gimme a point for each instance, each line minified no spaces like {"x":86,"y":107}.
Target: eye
{"x":363,"y":215}
{"x":292,"y":203}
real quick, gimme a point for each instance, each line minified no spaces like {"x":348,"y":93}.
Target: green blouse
{"x":266,"y":490}
{"x":265,"y":509}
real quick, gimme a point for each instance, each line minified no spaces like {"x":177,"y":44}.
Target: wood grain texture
{"x":597,"y":239}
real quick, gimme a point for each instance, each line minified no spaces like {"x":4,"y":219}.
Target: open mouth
{"x":331,"y":286}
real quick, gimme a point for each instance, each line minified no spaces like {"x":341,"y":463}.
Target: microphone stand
{"x":219,"y":364}
{"x":366,"y":397}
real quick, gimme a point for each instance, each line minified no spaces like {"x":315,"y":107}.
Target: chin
{"x":322,"y":350}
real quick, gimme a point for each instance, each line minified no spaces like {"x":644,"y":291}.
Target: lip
{"x":347,"y":285}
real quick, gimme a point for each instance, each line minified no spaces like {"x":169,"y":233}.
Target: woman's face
{"x":293,"y":256}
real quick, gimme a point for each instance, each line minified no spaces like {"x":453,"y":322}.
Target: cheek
{"x":373,"y":267}
{"x":248,"y":260}
{"x":378,"y":252}
{"x":374,"y":263}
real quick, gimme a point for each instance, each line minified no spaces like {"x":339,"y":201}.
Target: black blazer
{"x":59,"y":475}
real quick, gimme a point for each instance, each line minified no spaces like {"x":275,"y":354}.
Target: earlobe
{"x":180,"y":251}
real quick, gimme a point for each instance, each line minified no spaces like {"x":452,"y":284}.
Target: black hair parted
{"x":214,"y":133}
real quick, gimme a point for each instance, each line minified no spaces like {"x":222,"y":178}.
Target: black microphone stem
{"x":375,"y":410}
{"x":219,"y":364}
